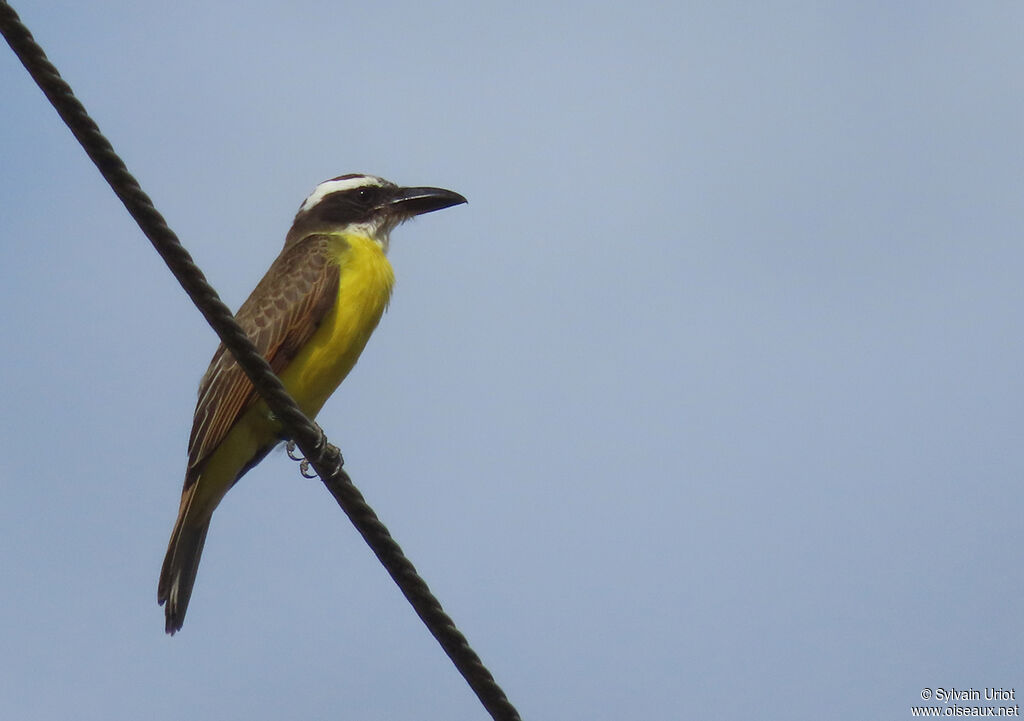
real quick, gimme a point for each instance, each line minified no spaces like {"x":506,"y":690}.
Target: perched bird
{"x":310,"y":316}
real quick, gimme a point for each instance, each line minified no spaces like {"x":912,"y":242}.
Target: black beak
{"x":417,"y":201}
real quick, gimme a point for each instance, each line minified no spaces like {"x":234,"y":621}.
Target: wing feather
{"x":279,"y":316}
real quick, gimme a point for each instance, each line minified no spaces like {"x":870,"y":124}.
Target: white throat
{"x":378,"y":232}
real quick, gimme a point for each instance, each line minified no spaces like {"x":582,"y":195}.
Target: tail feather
{"x":204,"y":489}
{"x":178,"y":574}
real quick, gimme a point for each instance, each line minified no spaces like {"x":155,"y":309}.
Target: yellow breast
{"x":363,"y":292}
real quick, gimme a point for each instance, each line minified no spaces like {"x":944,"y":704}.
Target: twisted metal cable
{"x":324,"y":457}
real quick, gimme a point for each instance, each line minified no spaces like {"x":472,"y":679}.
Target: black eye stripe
{"x":350,"y":206}
{"x":363,"y":196}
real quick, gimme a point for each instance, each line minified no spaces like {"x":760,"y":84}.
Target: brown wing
{"x":279,"y":316}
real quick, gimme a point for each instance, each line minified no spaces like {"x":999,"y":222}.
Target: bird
{"x":310,"y":316}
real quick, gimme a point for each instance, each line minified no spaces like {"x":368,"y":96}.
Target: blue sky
{"x":708,"y":404}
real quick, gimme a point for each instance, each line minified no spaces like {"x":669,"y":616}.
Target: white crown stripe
{"x":334,"y":186}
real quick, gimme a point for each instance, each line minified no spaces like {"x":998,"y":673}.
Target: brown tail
{"x":178,"y":574}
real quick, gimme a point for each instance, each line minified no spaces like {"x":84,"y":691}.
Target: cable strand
{"x":325,"y":458}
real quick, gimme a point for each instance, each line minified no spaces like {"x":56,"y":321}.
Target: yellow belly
{"x":328,"y":356}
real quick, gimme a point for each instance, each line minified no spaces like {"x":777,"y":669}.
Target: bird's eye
{"x":363,"y":195}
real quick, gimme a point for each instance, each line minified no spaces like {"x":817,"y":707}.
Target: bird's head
{"x":367,"y":205}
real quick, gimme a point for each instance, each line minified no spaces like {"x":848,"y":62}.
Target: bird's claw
{"x":304,"y":467}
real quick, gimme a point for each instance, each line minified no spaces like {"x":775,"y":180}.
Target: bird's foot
{"x":304,"y":467}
